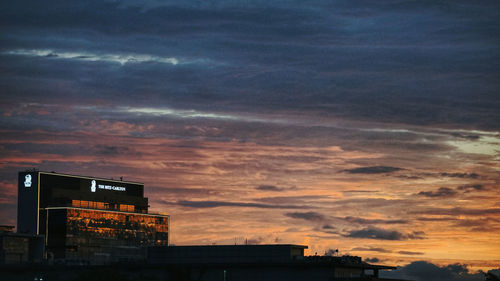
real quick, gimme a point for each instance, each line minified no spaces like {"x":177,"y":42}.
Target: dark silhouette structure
{"x":261,"y":262}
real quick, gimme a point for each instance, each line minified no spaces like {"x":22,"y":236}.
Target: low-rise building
{"x":260,"y":262}
{"x":18,"y":248}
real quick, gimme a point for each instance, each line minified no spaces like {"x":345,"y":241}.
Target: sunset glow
{"x":372,"y":129}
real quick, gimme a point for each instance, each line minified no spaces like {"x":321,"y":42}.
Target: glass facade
{"x":76,"y":234}
{"x":106,"y":206}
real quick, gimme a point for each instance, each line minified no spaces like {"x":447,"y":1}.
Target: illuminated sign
{"x":27,"y":180}
{"x":112,"y":187}
{"x":92,"y":186}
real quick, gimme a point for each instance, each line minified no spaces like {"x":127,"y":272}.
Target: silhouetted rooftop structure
{"x":262,"y":262}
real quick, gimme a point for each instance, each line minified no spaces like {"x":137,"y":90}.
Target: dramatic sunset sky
{"x":372,"y":127}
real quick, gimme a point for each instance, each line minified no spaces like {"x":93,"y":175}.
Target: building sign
{"x":27,"y":180}
{"x":94,"y":186}
{"x":112,"y":187}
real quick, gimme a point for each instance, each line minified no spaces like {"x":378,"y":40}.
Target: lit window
{"x":84,"y":204}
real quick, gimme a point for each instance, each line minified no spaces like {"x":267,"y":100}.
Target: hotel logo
{"x":27,"y":180}
{"x":93,"y":186}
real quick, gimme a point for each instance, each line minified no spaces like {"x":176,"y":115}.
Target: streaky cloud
{"x":179,"y":113}
{"x":269,"y":188}
{"x":373,"y":221}
{"x":471,"y":187}
{"x":441,"y":192}
{"x":373,"y":170}
{"x":122,"y":59}
{"x":384,"y":234}
{"x":461,"y":175}
{"x":371,"y":249}
{"x":214,"y":204}
{"x":310,"y":216}
{"x":410,"y":253}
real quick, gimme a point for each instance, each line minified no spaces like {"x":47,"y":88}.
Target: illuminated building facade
{"x":88,"y":220}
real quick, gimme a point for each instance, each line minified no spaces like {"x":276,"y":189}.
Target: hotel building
{"x":87,"y":219}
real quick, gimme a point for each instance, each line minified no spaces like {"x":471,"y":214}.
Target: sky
{"x":371,"y":127}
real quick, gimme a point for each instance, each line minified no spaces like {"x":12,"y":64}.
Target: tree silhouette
{"x":491,"y":277}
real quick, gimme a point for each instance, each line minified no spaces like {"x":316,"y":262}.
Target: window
{"x":84,"y":204}
{"x":126,"y":208}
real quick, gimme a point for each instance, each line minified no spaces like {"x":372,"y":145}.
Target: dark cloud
{"x":441,"y":192}
{"x":115,"y":19}
{"x":471,"y":187}
{"x":479,"y":225}
{"x":371,"y":249}
{"x":323,"y":59}
{"x":112,"y":150}
{"x":410,"y":253}
{"x":384,"y":234}
{"x":310,"y":216}
{"x":269,"y":188}
{"x":461,"y":175}
{"x":214,"y":204}
{"x":373,"y":221}
{"x":360,"y":191}
{"x":410,"y":177}
{"x":305,"y":199}
{"x":373,"y":170}
{"x":426,"y":271}
{"x":431,"y":219}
